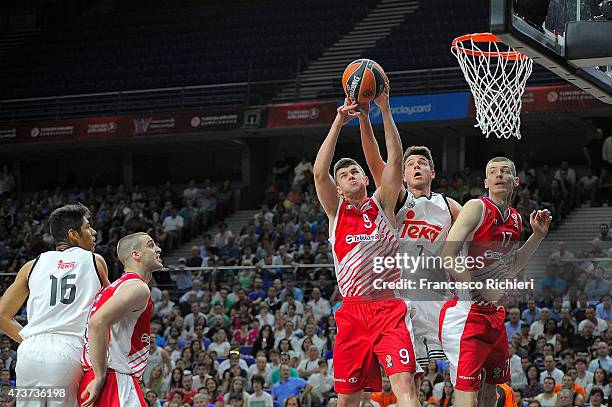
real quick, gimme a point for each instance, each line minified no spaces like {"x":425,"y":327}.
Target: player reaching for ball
{"x":373,"y":326}
{"x":60,"y":286}
{"x":423,"y":219}
{"x":118,"y":329}
{"x":472,"y":329}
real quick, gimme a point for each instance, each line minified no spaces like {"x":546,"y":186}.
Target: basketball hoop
{"x":497,"y":81}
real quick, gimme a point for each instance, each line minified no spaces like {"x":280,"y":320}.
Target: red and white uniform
{"x":128,"y":351}
{"x":472,"y":332}
{"x":423,"y":223}
{"x":373,"y":326}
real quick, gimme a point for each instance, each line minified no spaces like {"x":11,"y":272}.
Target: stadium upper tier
{"x":223,"y":55}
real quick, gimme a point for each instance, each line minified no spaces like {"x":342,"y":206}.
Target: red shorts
{"x":371,"y":333}
{"x":119,"y":390}
{"x":474,"y":338}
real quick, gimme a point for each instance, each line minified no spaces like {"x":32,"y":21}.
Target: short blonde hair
{"x":499,"y":160}
{"x":127,"y":244}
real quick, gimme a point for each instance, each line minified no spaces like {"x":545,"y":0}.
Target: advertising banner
{"x":301,"y":114}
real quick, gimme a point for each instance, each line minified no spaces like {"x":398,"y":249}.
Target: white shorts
{"x":53,"y":361}
{"x":425,"y":316}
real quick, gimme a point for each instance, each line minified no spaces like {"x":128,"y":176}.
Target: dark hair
{"x":258,"y":379}
{"x":598,"y":391}
{"x":344,"y":163}
{"x":550,"y":378}
{"x":419,"y":150}
{"x":65,"y":218}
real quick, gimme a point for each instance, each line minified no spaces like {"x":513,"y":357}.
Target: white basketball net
{"x":497,"y":79}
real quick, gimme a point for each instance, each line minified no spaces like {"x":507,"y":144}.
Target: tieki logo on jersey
{"x":65,"y":266}
{"x":419,"y":229}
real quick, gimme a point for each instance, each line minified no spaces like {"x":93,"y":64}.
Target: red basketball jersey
{"x":361,"y":239}
{"x":495,"y":240}
{"x":128,"y":348}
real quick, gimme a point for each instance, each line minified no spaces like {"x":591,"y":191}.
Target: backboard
{"x":571,"y":38}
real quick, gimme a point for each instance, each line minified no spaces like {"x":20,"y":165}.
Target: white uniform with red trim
{"x":128,"y":350}
{"x":62,"y":285}
{"x":423,"y":223}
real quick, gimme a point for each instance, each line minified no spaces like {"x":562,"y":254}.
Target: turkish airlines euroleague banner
{"x":301,"y":114}
{"x":118,"y":127}
{"x":553,"y":99}
{"x":437,"y":106}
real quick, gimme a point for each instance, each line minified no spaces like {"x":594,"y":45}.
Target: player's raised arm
{"x":468,"y":220}
{"x":12,"y":300}
{"x":540,"y":221}
{"x":370,"y":147}
{"x":131,"y":297}
{"x":391,"y":179}
{"x":324,"y":182}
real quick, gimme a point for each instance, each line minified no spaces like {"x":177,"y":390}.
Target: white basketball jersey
{"x":423,"y":224}
{"x":63,"y":286}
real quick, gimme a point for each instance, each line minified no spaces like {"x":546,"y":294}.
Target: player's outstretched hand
{"x":348,"y":111}
{"x":91,"y":392}
{"x":383,"y":100}
{"x":540,"y":221}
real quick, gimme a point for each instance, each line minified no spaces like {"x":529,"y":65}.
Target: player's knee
{"x":405,"y":384}
{"x":349,"y":400}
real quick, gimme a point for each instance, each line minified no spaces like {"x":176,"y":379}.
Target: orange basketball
{"x":363,"y":80}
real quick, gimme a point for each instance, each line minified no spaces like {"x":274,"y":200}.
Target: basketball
{"x":363,"y":80}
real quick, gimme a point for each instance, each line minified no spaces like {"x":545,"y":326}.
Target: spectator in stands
{"x":537,"y":327}
{"x":182,"y":277}
{"x":596,"y":287}
{"x":531,"y":313}
{"x":519,"y":379}
{"x":322,"y":383}
{"x":593,"y":151}
{"x":548,"y":398}
{"x":601,"y":380}
{"x":550,"y":370}
{"x":310,"y":363}
{"x":265,"y":341}
{"x":220,"y":345}
{"x":603,"y":359}
{"x":192,"y":192}
{"x":320,"y":306}
{"x":288,"y":386}
{"x":587,"y":187}
{"x":600,"y":326}
{"x":302,"y":171}
{"x":259,"y":398}
{"x":514,"y":323}
{"x":604,"y":308}
{"x":596,"y":398}
{"x":585,"y":339}
{"x":605,"y":235}
{"x":533,"y":387}
{"x":221,"y":238}
{"x":566,"y":173}
{"x":173,"y":227}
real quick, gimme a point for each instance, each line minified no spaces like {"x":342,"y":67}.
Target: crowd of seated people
{"x":264,"y":335}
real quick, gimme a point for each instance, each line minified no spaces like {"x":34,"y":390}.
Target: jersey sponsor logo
{"x":340,"y":380}
{"x":65,"y":266}
{"x":350,"y":239}
{"x":515,"y":220}
{"x":145,"y":338}
{"x":353,"y":380}
{"x":490,"y":254}
{"x":419,"y":229}
{"x":467,"y":377}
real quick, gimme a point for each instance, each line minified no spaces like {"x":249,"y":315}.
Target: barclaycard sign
{"x":440,"y":106}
